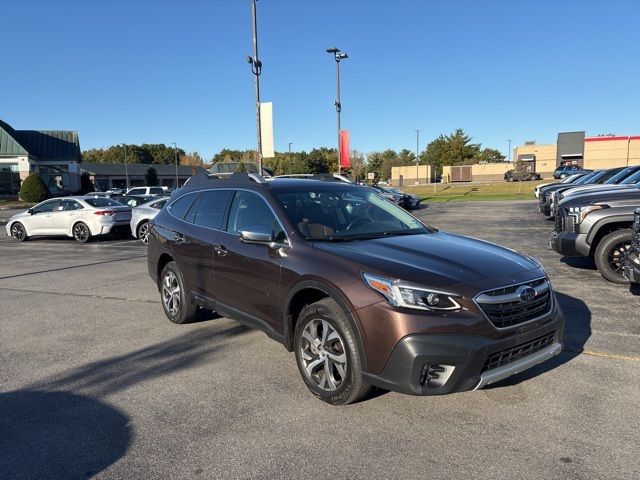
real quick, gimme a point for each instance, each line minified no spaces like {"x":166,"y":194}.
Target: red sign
{"x":344,"y":149}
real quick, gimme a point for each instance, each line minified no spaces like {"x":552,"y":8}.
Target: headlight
{"x":401,"y":294}
{"x":581,"y":212}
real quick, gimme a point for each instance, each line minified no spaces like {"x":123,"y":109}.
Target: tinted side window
{"x":46,"y":207}
{"x":137,"y":191}
{"x":250,"y":210}
{"x":155,"y":191}
{"x":211,"y":208}
{"x":158,"y":205}
{"x":180,"y":207}
{"x":67,"y":205}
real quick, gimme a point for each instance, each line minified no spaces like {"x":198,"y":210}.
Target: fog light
{"x":433,"y":299}
{"x":435,"y":375}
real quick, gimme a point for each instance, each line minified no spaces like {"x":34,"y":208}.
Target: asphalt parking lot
{"x":94,"y":381}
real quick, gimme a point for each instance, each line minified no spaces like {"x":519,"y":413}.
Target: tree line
{"x":456,"y":148}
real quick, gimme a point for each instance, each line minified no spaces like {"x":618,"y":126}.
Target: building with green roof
{"x":53,"y":154}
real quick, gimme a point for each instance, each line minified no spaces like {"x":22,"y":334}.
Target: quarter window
{"x":68,"y":205}
{"x":211,"y":209}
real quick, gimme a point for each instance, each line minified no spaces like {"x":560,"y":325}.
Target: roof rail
{"x":203,"y":180}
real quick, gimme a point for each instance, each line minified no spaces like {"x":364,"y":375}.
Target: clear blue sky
{"x":162,"y":71}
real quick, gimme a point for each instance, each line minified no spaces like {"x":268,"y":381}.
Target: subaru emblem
{"x":526,"y":294}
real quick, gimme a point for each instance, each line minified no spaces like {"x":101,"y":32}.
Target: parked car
{"x":625,"y":178}
{"x":397,"y":198}
{"x":597,"y":178}
{"x":145,"y":191}
{"x":336,"y":176}
{"x":571,"y":179}
{"x":79,"y":217}
{"x":512,"y":176}
{"x":135,"y":200}
{"x":566,"y":170}
{"x":363,"y":292}
{"x":410,"y":201}
{"x":597,"y":225}
{"x":632,"y":264}
{"x":141,"y":215}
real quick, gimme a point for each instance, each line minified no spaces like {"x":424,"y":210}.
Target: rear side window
{"x":67,"y":205}
{"x":159,"y":204}
{"x":211,"y":209}
{"x":156,"y":191}
{"x":180,"y":207}
{"x":137,"y":191}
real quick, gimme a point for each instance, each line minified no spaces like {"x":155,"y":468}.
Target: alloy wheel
{"x":80,"y":232}
{"x":323,"y":355}
{"x":171,"y":293}
{"x":143,"y":233}
{"x":617,"y":255}
{"x":17,"y":231}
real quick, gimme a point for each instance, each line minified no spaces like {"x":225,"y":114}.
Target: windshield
{"x":338,"y":214}
{"x":621,"y":175}
{"x":102,"y":202}
{"x":631,"y":179}
{"x":587,"y":178}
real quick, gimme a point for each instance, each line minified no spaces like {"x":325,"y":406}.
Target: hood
{"x":436,"y":259}
{"x":586,"y":188}
{"x":611,"y":195}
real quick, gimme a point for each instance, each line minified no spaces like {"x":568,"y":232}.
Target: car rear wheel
{"x":177,"y":304}
{"x":81,"y":232}
{"x":563,"y":176}
{"x":611,"y":254}
{"x":327,"y":354}
{"x":18,"y":232}
{"x":143,"y":232}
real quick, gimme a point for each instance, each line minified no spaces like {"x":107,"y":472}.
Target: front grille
{"x":557,"y":219}
{"x":505,"y":308}
{"x":635,"y":233}
{"x":512,"y":354}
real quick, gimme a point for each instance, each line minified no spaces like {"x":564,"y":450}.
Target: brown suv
{"x":363,"y":292}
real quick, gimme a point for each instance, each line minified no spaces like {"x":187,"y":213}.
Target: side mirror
{"x":257,"y":234}
{"x":30,"y":211}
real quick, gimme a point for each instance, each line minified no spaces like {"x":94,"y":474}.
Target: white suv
{"x":145,"y":191}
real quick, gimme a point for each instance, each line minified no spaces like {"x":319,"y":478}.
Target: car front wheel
{"x":18,"y":232}
{"x":611,"y":254}
{"x":327,"y":354}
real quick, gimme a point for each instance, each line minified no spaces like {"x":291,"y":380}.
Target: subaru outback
{"x":362,"y":292}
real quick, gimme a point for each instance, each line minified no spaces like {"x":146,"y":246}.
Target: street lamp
{"x":175,"y":155}
{"x":256,"y":69}
{"x":126,"y":170}
{"x":509,"y":151}
{"x":338,"y":55}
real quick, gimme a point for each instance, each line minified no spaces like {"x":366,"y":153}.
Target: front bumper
{"x":570,"y":244}
{"x":462,"y":359}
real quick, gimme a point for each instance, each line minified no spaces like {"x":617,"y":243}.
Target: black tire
{"x":351,"y":387}
{"x":510,"y":178}
{"x":610,"y":255}
{"x":143,"y":232}
{"x":81,"y":232}
{"x":533,"y":178}
{"x":186,"y":309}
{"x":18,"y":232}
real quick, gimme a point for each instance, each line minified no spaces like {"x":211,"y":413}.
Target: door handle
{"x":221,"y":250}
{"x":178,"y":237}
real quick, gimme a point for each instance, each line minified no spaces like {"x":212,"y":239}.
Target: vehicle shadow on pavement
{"x":59,"y":435}
{"x":583,"y":263}
{"x":634,"y":288}
{"x":118,"y":373}
{"x":577,"y":330}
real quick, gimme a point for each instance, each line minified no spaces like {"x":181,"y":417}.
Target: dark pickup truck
{"x":632,"y":265}
{"x":597,"y":225}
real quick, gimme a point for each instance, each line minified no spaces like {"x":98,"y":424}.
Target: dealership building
{"x":571,"y":148}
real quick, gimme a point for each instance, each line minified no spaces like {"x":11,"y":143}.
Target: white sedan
{"x":77,"y":217}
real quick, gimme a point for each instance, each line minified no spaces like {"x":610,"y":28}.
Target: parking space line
{"x":87,"y":295}
{"x":633,"y":358}
{"x":73,"y":266}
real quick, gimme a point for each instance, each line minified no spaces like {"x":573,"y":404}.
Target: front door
{"x":40,"y":222}
{"x":246,"y":276}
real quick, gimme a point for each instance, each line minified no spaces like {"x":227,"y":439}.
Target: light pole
{"x":417,"y":155}
{"x":289,"y":158}
{"x":338,"y":55}
{"x":509,"y":152}
{"x":256,"y":69}
{"x":126,"y":170}
{"x":175,"y":155}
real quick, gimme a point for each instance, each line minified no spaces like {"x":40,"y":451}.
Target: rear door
{"x":65,"y":215}
{"x":247,"y":277}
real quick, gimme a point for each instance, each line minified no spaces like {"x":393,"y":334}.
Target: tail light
{"x":104,"y":212}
